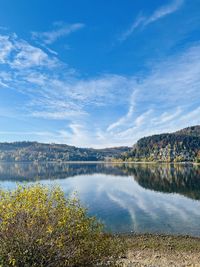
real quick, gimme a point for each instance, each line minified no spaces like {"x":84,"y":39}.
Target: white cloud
{"x":140,"y":205}
{"x":5,"y":48}
{"x":59,"y":114}
{"x":143,"y":21}
{"x":34,"y":133}
{"x":164,"y":11}
{"x":169,"y":116}
{"x":4,"y":77}
{"x":60,"y":30}
{"x":167,"y":99}
{"x":19,"y":54}
{"x":125,"y":119}
{"x":54,"y":97}
{"x":164,"y":99}
{"x":77,"y":134}
{"x":103,"y":90}
{"x":52,"y":88}
{"x":137,"y":23}
{"x":2,"y":84}
{"x":29,"y":56}
{"x":142,"y":119}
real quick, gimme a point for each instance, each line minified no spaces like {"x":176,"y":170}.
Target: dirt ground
{"x":162,"y":251}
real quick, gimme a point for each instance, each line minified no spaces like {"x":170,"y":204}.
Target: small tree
{"x":40,"y":227}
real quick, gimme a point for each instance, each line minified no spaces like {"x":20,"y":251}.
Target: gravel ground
{"x":149,"y":258}
{"x":162,"y":251}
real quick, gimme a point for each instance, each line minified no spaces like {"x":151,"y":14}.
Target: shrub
{"x":40,"y":227}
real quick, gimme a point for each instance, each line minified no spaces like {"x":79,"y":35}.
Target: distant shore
{"x":161,"y":250}
{"x":158,"y":162}
{"x":107,"y":162}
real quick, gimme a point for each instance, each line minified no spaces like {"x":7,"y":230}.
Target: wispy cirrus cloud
{"x":5,"y":48}
{"x":60,"y":29}
{"x":142,"y":21}
{"x":162,"y":100}
{"x":167,"y":99}
{"x":125,"y":119}
{"x":19,"y":54}
{"x":53,"y":89}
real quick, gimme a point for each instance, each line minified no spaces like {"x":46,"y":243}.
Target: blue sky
{"x":98,"y":73}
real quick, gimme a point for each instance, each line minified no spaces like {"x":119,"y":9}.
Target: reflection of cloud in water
{"x":148,"y":210}
{"x":124,"y":205}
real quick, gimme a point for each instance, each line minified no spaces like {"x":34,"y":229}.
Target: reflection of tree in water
{"x":41,"y":171}
{"x":182,"y":179}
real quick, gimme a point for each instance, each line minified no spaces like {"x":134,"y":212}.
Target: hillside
{"x":180,"y":146}
{"x":192,"y":131}
{"x":33,"y":151}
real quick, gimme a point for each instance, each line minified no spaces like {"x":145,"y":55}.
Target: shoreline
{"x":159,"y":250}
{"x":107,"y":162}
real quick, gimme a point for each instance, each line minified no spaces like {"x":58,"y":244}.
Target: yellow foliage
{"x":40,"y":227}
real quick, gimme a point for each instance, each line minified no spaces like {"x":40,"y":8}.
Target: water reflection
{"x":126,"y":197}
{"x":179,"y":178}
{"x":40,"y":171}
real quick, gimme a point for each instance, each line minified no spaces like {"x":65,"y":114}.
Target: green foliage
{"x":40,"y":227}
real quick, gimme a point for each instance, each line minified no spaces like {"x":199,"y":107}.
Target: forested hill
{"x":181,"y":146}
{"x":33,"y":151}
{"x":192,"y":131}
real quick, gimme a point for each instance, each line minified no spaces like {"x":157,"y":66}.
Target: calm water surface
{"x":126,"y":197}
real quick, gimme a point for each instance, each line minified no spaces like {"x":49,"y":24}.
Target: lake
{"x":127,"y":198}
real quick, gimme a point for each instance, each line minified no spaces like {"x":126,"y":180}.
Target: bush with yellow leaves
{"x":40,"y":227}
